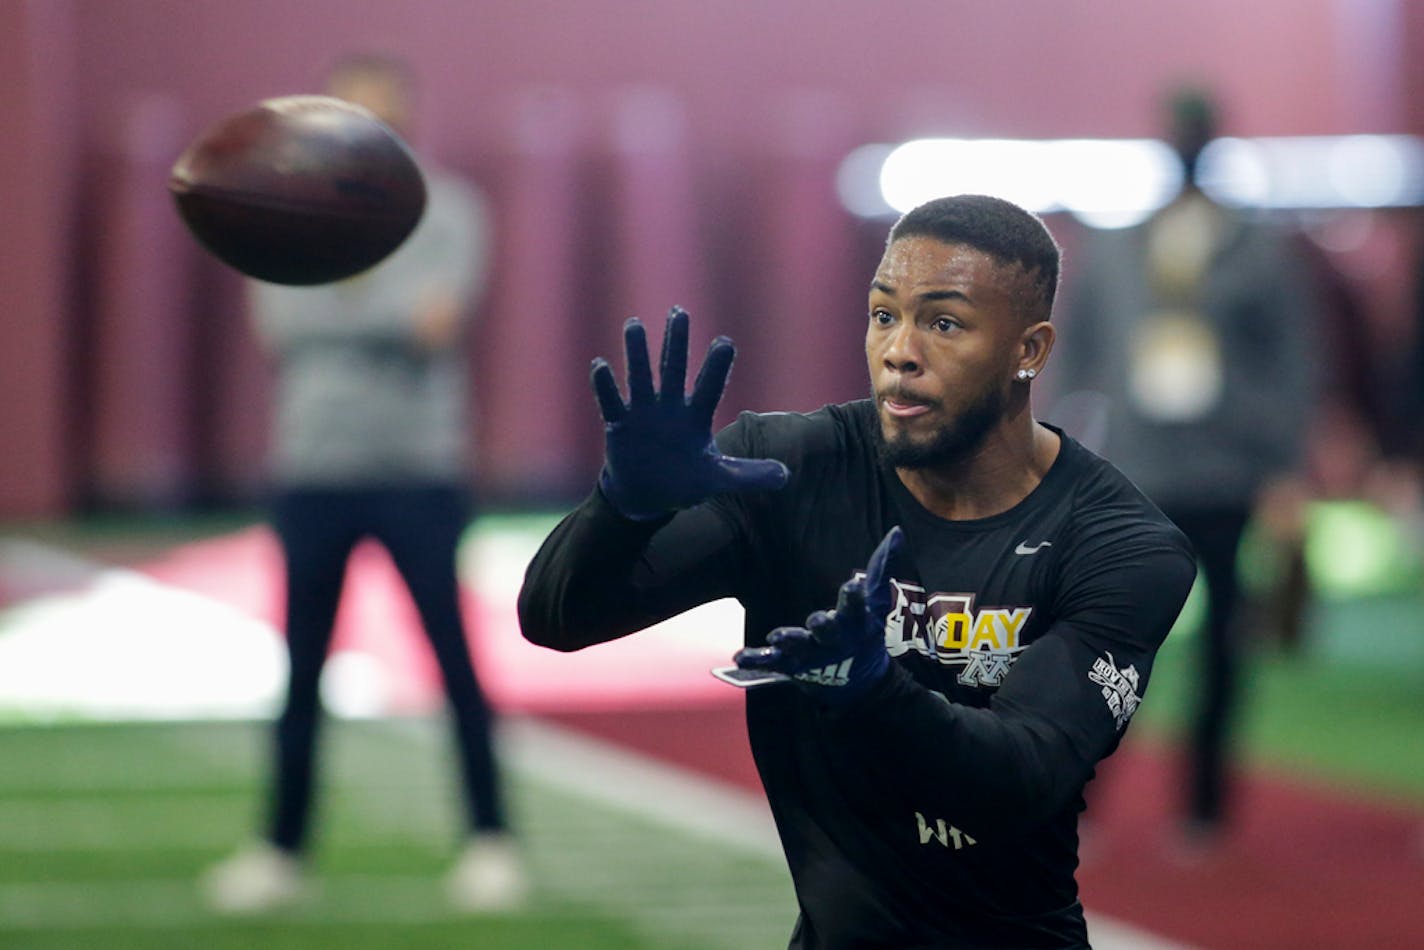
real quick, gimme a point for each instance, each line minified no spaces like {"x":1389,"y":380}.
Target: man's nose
{"x":903,"y":351}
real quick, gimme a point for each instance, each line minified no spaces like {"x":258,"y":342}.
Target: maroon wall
{"x":635,"y":150}
{"x":36,"y":163}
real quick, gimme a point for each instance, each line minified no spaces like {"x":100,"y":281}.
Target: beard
{"x":952,"y":443}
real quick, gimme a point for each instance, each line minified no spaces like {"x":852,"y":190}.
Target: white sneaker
{"x":488,"y":876}
{"x":258,"y":878}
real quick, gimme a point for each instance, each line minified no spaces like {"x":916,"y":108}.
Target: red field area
{"x":1306,"y":866}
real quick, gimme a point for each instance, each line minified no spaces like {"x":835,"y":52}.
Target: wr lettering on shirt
{"x":943,"y":832}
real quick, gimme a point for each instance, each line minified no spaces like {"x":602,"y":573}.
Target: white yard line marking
{"x":643,"y":786}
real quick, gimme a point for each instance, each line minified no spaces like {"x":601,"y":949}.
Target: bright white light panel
{"x":1119,"y":182}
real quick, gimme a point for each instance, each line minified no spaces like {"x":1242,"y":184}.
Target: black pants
{"x":1215,"y":532}
{"x":420,"y":527}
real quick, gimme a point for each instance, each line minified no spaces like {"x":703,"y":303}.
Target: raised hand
{"x":659,"y":455}
{"x":839,"y":653}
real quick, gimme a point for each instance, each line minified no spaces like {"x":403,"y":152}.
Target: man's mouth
{"x":904,"y":406}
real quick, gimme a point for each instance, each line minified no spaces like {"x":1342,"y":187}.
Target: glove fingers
{"x":823,"y":628}
{"x":789,"y":637}
{"x":798,"y":648}
{"x":640,"y":371}
{"x":887,"y":547}
{"x":758,"y":658}
{"x":711,"y":381}
{"x":851,"y":601}
{"x":840,"y":653}
{"x":877,"y":578}
{"x":672,"y":368}
{"x":737,"y":474}
{"x":605,"y":388}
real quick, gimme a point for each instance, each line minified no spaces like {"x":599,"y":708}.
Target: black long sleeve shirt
{"x":940,"y":809}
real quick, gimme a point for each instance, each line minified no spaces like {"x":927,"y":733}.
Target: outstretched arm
{"x":646,"y":544}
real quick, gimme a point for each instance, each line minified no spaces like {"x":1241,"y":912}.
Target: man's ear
{"x":1035,"y":345}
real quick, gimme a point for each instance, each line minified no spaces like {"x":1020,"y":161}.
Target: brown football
{"x":299,"y":190}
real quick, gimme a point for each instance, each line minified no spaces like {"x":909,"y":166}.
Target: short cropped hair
{"x":999,"y":228}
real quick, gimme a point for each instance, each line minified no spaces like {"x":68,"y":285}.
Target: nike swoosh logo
{"x":1023,"y":547}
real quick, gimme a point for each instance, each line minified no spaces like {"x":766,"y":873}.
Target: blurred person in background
{"x":1199,"y":327}
{"x":1397,"y":485}
{"x":371,"y":441}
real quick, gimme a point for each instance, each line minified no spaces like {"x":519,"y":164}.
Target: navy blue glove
{"x":658,"y":453}
{"x":839,"y":653}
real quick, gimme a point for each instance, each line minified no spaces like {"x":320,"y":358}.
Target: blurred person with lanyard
{"x":1199,"y":329}
{"x":371,"y":441}
{"x":951,"y":609}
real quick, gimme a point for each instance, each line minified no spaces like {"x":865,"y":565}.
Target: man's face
{"x":384,"y":95}
{"x":946,"y":326}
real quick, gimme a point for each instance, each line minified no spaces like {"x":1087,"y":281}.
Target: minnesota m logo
{"x":983,"y":643}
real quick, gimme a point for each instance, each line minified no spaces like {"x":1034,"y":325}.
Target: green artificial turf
{"x":1346,"y":706}
{"x":105,"y":829}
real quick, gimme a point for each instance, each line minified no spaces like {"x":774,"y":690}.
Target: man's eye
{"x":881,"y":317}
{"x":945,"y":324}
